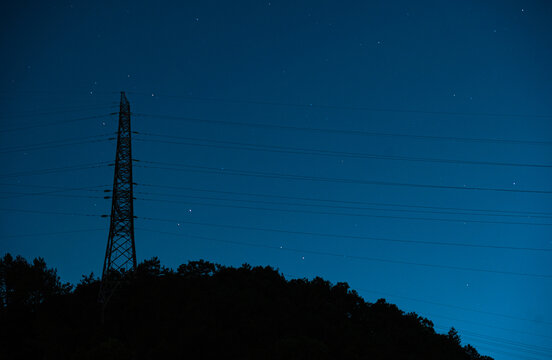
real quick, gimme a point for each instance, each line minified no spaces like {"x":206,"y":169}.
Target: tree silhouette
{"x":28,"y":285}
{"x":208,"y":311}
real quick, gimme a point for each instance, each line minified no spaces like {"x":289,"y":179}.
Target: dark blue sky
{"x":442,"y":73}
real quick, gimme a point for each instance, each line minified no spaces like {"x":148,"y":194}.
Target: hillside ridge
{"x":208,"y":311}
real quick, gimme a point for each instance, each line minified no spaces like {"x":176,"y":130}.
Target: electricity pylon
{"x":120,"y":255}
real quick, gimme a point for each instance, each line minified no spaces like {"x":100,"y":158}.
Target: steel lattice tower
{"x":120,"y":255}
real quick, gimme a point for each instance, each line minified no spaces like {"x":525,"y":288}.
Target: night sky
{"x":404,"y":147}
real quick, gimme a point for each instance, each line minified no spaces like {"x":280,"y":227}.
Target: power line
{"x":460,"y":308}
{"x":51,"y":233}
{"x":302,"y":251}
{"x":233,"y":206}
{"x":56,"y":146}
{"x":318,"y":152}
{"x":61,"y":188}
{"x":504,"y":344}
{"x":326,"y":235}
{"x":343,"y":256}
{"x":358,"y":289}
{"x":225,"y":171}
{"x":62,"y":110}
{"x":348,"y":132}
{"x":58,"y":189}
{"x":498,"y":350}
{"x":342,"y":107}
{"x":74,"y":91}
{"x":478,"y":311}
{"x":433,"y":315}
{"x":524,"y":349}
{"x":325,"y":206}
{"x":334,"y":201}
{"x":491,"y":326}
{"x":61,"y":142}
{"x":56,"y":123}
{"x":518,"y":346}
{"x":509,"y":342}
{"x":354,"y":237}
{"x":51,"y":212}
{"x":454,"y":244}
{"x":57,"y":170}
{"x":54,"y":195}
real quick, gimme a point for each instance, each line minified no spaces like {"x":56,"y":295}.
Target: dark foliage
{"x":207,"y":311}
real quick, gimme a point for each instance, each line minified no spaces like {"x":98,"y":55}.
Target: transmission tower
{"x":120,"y":255}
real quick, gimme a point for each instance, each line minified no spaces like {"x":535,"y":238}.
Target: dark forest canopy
{"x":206,"y":311}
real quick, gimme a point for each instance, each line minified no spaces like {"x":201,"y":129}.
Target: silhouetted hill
{"x":207,"y":311}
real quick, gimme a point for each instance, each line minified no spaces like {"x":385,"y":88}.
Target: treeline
{"x":203,"y":310}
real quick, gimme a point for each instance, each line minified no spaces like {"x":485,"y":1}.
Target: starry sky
{"x":401,"y":146}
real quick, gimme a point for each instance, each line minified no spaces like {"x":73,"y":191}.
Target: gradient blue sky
{"x":468,"y":69}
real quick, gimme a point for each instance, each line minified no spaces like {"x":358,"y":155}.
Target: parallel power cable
{"x":510,"y":342}
{"x":463,"y":308}
{"x":333,"y":201}
{"x":69,"y":109}
{"x":345,"y":256}
{"x":51,"y":212}
{"x":347,"y":132}
{"x":225,"y":171}
{"x":333,"y":206}
{"x":319,"y":152}
{"x":67,"y":121}
{"x":59,"y":143}
{"x":383,"y":239}
{"x":340,"y":107}
{"x":463,"y":320}
{"x":30,"y":149}
{"x":51,"y":233}
{"x":54,"y":195}
{"x":353,"y":237}
{"x":505,"y":348}
{"x":509,"y":316}
{"x":57,"y":189}
{"x":256,"y":208}
{"x":57,"y":170}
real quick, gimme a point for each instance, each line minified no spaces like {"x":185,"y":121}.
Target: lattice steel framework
{"x":120,"y":255}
